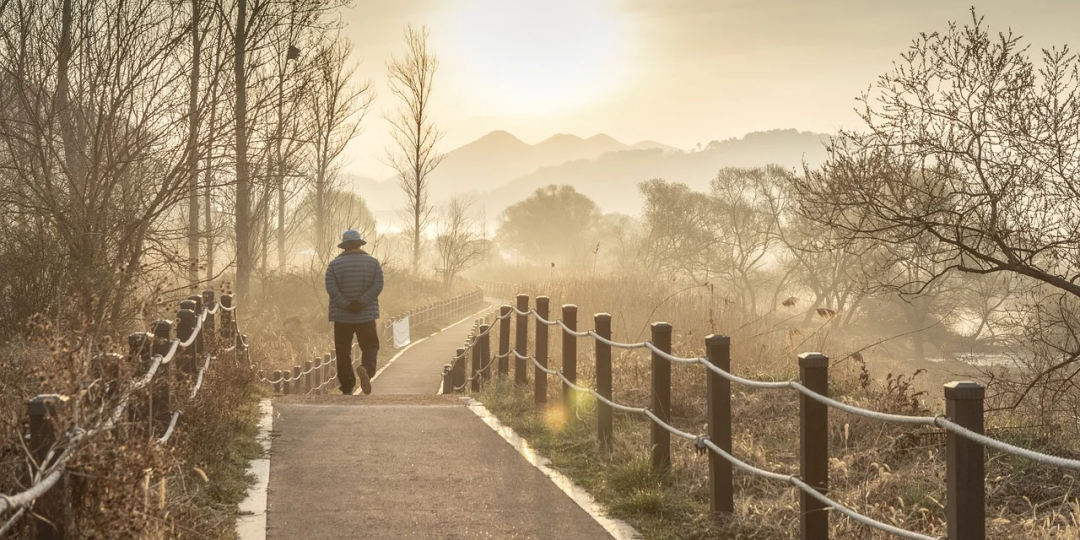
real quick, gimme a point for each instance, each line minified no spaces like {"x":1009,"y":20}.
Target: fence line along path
{"x":153,"y":402}
{"x":962,"y":421}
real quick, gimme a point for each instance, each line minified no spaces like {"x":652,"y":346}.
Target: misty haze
{"x":516,"y":269}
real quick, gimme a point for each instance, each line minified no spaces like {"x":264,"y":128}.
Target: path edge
{"x":251,"y":523}
{"x":617,"y":528}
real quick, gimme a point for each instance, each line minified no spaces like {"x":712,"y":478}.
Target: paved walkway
{"x":404,"y":463}
{"x":419,"y":369}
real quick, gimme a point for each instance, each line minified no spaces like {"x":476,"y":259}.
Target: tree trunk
{"x":265,"y":243}
{"x":417,"y":208}
{"x":282,"y":259}
{"x":208,"y":227}
{"x":322,"y":249}
{"x":193,"y":151}
{"x":279,"y":166}
{"x":244,"y":252}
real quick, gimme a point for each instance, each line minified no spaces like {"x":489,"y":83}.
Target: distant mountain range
{"x":499,"y":169}
{"x":498,"y":157}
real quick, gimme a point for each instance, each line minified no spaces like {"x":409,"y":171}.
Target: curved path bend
{"x":405,"y":463}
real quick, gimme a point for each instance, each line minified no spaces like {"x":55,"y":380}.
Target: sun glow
{"x":537,"y":57}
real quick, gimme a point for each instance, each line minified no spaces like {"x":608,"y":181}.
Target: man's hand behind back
{"x":354,"y":307}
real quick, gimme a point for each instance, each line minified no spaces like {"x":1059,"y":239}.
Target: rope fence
{"x":317,"y":375}
{"x":962,"y":422}
{"x":203,"y":327}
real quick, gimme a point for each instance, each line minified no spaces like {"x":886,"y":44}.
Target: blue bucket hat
{"x":350,"y":237}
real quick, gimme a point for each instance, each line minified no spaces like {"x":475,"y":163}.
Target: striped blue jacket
{"x":354,"y":276}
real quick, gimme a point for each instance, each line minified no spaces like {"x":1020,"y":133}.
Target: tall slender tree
{"x":245,"y":254}
{"x":193,"y":149}
{"x":413,"y":154}
{"x":337,"y":105}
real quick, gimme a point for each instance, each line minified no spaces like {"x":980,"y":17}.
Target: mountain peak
{"x":498,"y":137}
{"x":603,"y":138}
{"x":560,"y":138}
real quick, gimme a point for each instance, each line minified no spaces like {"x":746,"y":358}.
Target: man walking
{"x":354,"y":280}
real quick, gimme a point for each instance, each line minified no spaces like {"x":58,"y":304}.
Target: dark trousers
{"x":367,"y":337}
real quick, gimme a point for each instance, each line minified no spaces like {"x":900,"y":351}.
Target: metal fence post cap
{"x":964,"y":390}
{"x":188,"y":304}
{"x":484,"y":328}
{"x":714,"y":340}
{"x":523,"y":298}
{"x":813,"y":360}
{"x":661,"y":327}
{"x":226,"y":300}
{"x":39,"y":404}
{"x":569,"y":307}
{"x":542,"y":300}
{"x":208,"y":294}
{"x":185,"y":313}
{"x":602,"y":317}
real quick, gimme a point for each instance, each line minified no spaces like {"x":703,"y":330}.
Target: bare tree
{"x":971,"y":148}
{"x":462,"y":240}
{"x":337,"y":104}
{"x":413,"y":154}
{"x":245,"y":255}
{"x":680,"y":227}
{"x":193,"y":147}
{"x":554,"y":223}
{"x":102,"y":188}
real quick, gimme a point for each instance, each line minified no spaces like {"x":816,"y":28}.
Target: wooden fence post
{"x":814,"y":445}
{"x":200,"y":343}
{"x":604,"y":426}
{"x":474,"y":383}
{"x":569,"y":354}
{"x":661,"y":397}
{"x":184,"y":328}
{"x":308,"y":369}
{"x":447,"y":379}
{"x":459,"y":369}
{"x":318,"y":373}
{"x":209,"y":325}
{"x":297,"y":381}
{"x":160,"y":400}
{"x":485,"y":352}
{"x":329,"y":371}
{"x":504,"y":341}
{"x":50,"y":511}
{"x":721,"y":479}
{"x":277,"y":378}
{"x":540,"y":387}
{"x":228,"y":321}
{"x":521,"y":344}
{"x":965,"y":463}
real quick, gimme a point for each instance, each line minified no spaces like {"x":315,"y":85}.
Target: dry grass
{"x":891,"y":473}
{"x":122,"y":483}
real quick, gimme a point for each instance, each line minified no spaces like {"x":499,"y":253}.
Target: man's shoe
{"x":365,"y":380}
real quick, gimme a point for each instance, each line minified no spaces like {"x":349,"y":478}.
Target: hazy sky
{"x":675,"y":71}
